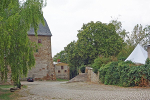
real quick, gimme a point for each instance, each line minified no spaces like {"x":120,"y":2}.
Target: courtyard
{"x":49,"y":90}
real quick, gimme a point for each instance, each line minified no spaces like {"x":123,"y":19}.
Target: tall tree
{"x":16,"y":50}
{"x":139,"y":35}
{"x":73,"y":58}
{"x":121,"y":32}
{"x":96,"y":39}
{"x":127,"y":47}
{"x":147,"y":34}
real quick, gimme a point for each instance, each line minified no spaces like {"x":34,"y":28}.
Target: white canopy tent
{"x":138,"y":55}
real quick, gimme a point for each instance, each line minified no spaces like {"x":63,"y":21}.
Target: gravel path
{"x":40,"y":90}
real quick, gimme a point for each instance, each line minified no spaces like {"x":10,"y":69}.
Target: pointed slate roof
{"x":138,"y":55}
{"x":43,"y":30}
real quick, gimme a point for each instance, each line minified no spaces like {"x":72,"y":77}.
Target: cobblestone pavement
{"x":47,"y":90}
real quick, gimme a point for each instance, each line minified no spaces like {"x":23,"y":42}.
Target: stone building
{"x":44,"y":68}
{"x":62,"y":70}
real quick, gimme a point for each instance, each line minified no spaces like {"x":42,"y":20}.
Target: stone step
{"x":79,"y":78}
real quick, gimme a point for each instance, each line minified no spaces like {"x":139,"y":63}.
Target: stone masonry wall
{"x":44,"y":68}
{"x":93,"y":77}
{"x":148,"y":50}
{"x":62,"y":73}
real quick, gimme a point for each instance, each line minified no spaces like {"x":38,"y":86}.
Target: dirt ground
{"x":47,"y":90}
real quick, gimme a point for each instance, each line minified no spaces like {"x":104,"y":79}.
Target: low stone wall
{"x":93,"y":77}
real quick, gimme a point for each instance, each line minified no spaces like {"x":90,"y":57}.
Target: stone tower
{"x":44,"y":68}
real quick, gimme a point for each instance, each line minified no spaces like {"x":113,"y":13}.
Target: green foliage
{"x":139,"y":35}
{"x":6,"y":86}
{"x":73,"y":59}
{"x":94,"y":39}
{"x":5,"y":96}
{"x":61,"y":79}
{"x":62,"y":56}
{"x":147,"y":61}
{"x":124,"y":73}
{"x":118,"y":27}
{"x":16,"y":50}
{"x":125,"y":52}
{"x":122,"y":58}
{"x":25,"y":86}
{"x":82,"y":68}
{"x":98,"y":62}
{"x":4,"y":92}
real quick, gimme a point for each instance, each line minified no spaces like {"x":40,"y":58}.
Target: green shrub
{"x":98,"y":63}
{"x":112,"y":75}
{"x":103,"y":71}
{"x":125,"y":52}
{"x":124,"y":73}
{"x":147,"y":61}
{"x":95,"y":70}
{"x":124,"y":69}
{"x":122,"y":58}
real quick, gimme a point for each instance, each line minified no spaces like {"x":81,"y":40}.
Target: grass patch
{"x":6,"y":86}
{"x":5,"y":93}
{"x":61,"y":79}
{"x":5,"y":96}
{"x":24,"y":86}
{"x":3,"y":90}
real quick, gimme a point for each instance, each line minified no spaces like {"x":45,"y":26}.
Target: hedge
{"x":125,"y":74}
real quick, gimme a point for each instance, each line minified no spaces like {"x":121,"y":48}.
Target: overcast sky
{"x":65,"y":17}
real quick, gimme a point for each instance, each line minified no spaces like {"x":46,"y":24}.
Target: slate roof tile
{"x":43,"y":30}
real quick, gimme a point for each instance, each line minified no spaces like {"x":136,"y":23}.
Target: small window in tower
{"x":62,"y":67}
{"x":58,"y":71}
{"x":39,"y":41}
{"x":65,"y":70}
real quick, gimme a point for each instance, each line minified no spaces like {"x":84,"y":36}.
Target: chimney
{"x":148,"y":50}
{"x":58,"y":60}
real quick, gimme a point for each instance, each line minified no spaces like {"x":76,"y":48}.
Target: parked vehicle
{"x":30,"y":79}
